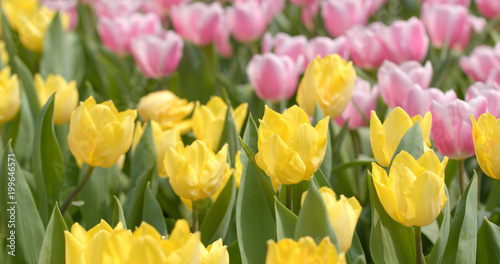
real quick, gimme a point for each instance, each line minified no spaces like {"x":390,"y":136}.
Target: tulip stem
{"x":4,"y":137}
{"x":461,"y":173}
{"x":196,"y":224}
{"x":289,"y":197}
{"x":77,"y":189}
{"x":418,"y":244}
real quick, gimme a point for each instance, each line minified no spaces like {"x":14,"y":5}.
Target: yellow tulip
{"x":13,"y":9}
{"x":195,"y":171}
{"x":343,"y":214}
{"x":486,"y":135}
{"x":10,"y":102}
{"x":4,"y":56}
{"x":238,"y":169}
{"x":167,"y":109}
{"x":216,"y":253}
{"x":385,"y":138}
{"x":290,"y":149}
{"x":287,"y":251}
{"x":413,"y":193}
{"x":99,"y":134}
{"x":330,"y":82}
{"x":208,"y":120}
{"x":66,"y":98}
{"x":163,"y":141}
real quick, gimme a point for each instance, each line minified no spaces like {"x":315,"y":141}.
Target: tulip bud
{"x":11,"y":96}
{"x":324,"y":46}
{"x":406,"y":40}
{"x":66,"y":98}
{"x":488,"y":8}
{"x":330,"y":82}
{"x":481,"y":61}
{"x":339,"y":16}
{"x":490,"y":91}
{"x":13,"y":9}
{"x":303,"y":251}
{"x":486,"y":136}
{"x":248,"y":20}
{"x":368,"y":49}
{"x":294,"y":47}
{"x":418,"y":101}
{"x":99,"y":134}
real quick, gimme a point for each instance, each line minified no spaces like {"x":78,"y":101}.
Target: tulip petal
{"x":395,"y":127}
{"x":378,"y":141}
{"x":383,"y":186}
{"x":74,"y":249}
{"x":424,"y":199}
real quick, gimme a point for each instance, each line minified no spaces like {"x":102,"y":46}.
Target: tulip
{"x":394,"y":81}
{"x":343,"y":214}
{"x":273,"y":77}
{"x":66,"y":98}
{"x":168,"y":4}
{"x":248,"y":20}
{"x":13,"y":9}
{"x":99,"y":134}
{"x":452,"y":128}
{"x":10,"y":102}
{"x":195,"y":171}
{"x":481,"y":61}
{"x":209,"y":119}
{"x":324,"y":46}
{"x":115,"y":8}
{"x":418,"y":101}
{"x":330,"y":82}
{"x":447,"y":23}
{"x":339,"y":16}
{"x":385,"y":138}
{"x":486,"y":136}
{"x":117,"y":33}
{"x":488,"y":8}
{"x":290,"y":149}
{"x":158,"y":56}
{"x":294,"y":47}
{"x":308,"y":13}
{"x":494,"y":76}
{"x":167,"y":109}
{"x":464,"y":3}
{"x":406,"y":40}
{"x":364,"y":98}
{"x":490,"y":91}
{"x":288,"y":251}
{"x":368,"y":49}
{"x":413,"y":193}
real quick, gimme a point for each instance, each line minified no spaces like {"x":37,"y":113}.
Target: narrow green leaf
{"x":170,"y":202}
{"x":54,"y":44}
{"x":152,"y":212}
{"x":53,"y":240}
{"x":326,"y":165}
{"x":8,"y":39}
{"x":355,"y":254}
{"x":230,"y":136}
{"x":22,"y":133}
{"x":412,"y":142}
{"x":144,"y":155}
{"x":444,"y":231}
{"x":234,"y":253}
{"x":461,"y":246}
{"x":118,"y":215}
{"x":488,"y":243}
{"x":135,"y":199}
{"x":494,"y":196}
{"x":354,"y":163}
{"x":286,"y":221}
{"x":319,"y":176}
{"x":28,"y":85}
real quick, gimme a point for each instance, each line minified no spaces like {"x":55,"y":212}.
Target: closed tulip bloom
{"x":290,"y":149}
{"x":339,"y":16}
{"x":195,"y":171}
{"x":488,"y":8}
{"x":481,"y":61}
{"x":66,"y":98}
{"x":168,"y":4}
{"x":117,"y":33}
{"x":328,"y":81}
{"x":394,"y":81}
{"x":418,"y":101}
{"x":167,"y":109}
{"x":273,"y":77}
{"x":248,"y":20}
{"x":158,"y":55}
{"x":324,"y":46}
{"x":288,"y":251}
{"x":13,"y":9}
{"x":209,"y":119}
{"x":368,"y":49}
{"x":11,"y":96}
{"x":413,"y":193}
{"x":490,"y":91}
{"x":494,"y":76}
{"x":406,"y":40}
{"x":364,"y":98}
{"x":99,"y":134}
{"x":294,"y":47}
{"x":486,"y":135}
{"x":452,"y":128}
{"x":343,"y":214}
{"x":385,"y":137}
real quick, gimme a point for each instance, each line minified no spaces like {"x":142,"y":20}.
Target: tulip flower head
{"x":66,"y":98}
{"x":288,"y":251}
{"x":481,"y":62}
{"x":363,"y":97}
{"x":339,"y":16}
{"x":486,"y":135}
{"x":324,"y":46}
{"x":488,"y":8}
{"x":11,"y":96}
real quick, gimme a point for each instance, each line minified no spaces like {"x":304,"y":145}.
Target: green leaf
{"x":152,"y":212}
{"x":444,"y":231}
{"x":135,"y":199}
{"x":488,"y":243}
{"x":461,"y":246}
{"x":169,"y":201}
{"x":216,"y":222}
{"x":326,"y":165}
{"x":28,"y":85}
{"x":118,"y":215}
{"x":234,"y":253}
{"x":230,"y":136}
{"x":355,"y":254}
{"x":8,"y":39}
{"x":321,"y":179}
{"x":28,"y":227}
{"x":390,"y":241}
{"x":255,"y":225}
{"x":354,"y":163}
{"x":144,"y":156}
{"x":22,"y":133}
{"x":494,"y":196}
{"x":411,"y":143}
{"x":53,"y":240}
{"x":286,"y":221}
{"x":56,"y":43}
{"x":313,"y":218}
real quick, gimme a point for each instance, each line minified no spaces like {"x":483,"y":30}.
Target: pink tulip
{"x":464,"y":3}
{"x":368,"y":49}
{"x":158,"y":55}
{"x":394,"y":81}
{"x":117,"y":33}
{"x":488,"y":8}
{"x":365,"y":98}
{"x":452,"y":127}
{"x":447,"y":23}
{"x":302,"y":2}
{"x":273,"y":7}
{"x":494,"y":76}
{"x":339,"y":16}
{"x":308,"y":14}
{"x":167,"y":4}
{"x":481,"y":61}
{"x":248,"y":20}
{"x":294,"y":47}
{"x":66,"y":7}
{"x":490,"y":91}
{"x":114,"y":8}
{"x":406,"y":40}
{"x":323,"y":46}
{"x":273,"y":77}
{"x":418,"y":100}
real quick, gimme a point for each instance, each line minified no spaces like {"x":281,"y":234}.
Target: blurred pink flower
{"x":452,"y":127}
{"x":66,"y":7}
{"x":302,"y":2}
{"x":494,"y":76}
{"x":247,"y":20}
{"x":113,"y":8}
{"x":406,"y":40}
{"x":481,"y":61}
{"x":368,"y":49}
{"x":117,"y":33}
{"x":418,"y":101}
{"x":373,"y":5}
{"x":339,"y":16}
{"x":273,"y":7}
{"x":464,"y":3}
{"x":365,"y":98}
{"x":488,"y":8}
{"x":308,"y":13}
{"x":294,"y":47}
{"x":167,"y":4}
{"x":395,"y":81}
{"x":490,"y":91}
{"x":323,"y":46}
{"x":158,"y":55}
{"x":273,"y":77}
